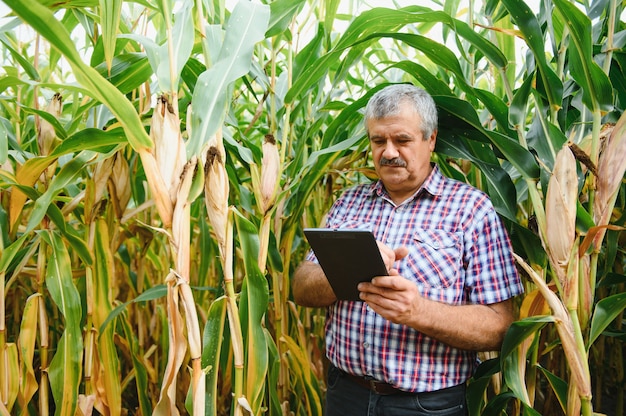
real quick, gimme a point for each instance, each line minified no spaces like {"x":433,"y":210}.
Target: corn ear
{"x":561,"y":223}
{"x":611,"y":168}
{"x":159,"y":191}
{"x":169,"y":147}
{"x":46,"y":135}
{"x":270,"y":170}
{"x":216,"y":191}
{"x":120,"y":180}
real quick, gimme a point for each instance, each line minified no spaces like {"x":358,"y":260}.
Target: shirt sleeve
{"x":491,"y":275}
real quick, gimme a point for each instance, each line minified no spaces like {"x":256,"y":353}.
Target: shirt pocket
{"x":434,"y":258}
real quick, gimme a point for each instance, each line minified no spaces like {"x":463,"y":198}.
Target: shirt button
{"x":366,"y":345}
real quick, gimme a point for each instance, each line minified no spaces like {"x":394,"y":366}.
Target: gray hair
{"x":386,"y":102}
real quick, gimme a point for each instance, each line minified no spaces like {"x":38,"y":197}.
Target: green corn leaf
{"x":605,"y":312}
{"x":511,"y":352}
{"x":110,"y":11}
{"x":128,"y":71}
{"x":518,"y":108}
{"x":282,"y":13}
{"x":91,"y":139}
{"x":65,"y":367}
{"x":155,"y":292}
{"x":595,"y":84}
{"x":501,"y":189}
{"x":246,"y":26}
{"x":7,"y":255}
{"x":456,"y":112}
{"x":141,"y":374}
{"x":28,"y":67}
{"x":559,"y":386}
{"x":301,"y":369}
{"x":253,"y":307}
{"x":4,"y":141}
{"x":531,"y":31}
{"x":212,"y":339}
{"x":104,"y":273}
{"x":67,"y":175}
{"x":44,"y":22}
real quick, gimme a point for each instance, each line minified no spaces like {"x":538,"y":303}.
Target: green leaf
{"x":559,"y":386}
{"x":44,"y":22}
{"x":110,"y":11}
{"x":103,"y":277}
{"x":605,"y":312}
{"x":65,"y":367}
{"x":246,"y":27}
{"x":253,"y":307}
{"x":155,"y":292}
{"x":531,"y":31}
{"x":511,"y":354}
{"x":595,"y":84}
{"x":7,"y":255}
{"x":456,"y":112}
{"x":281,"y":15}
{"x":128,"y":71}
{"x":212,"y":338}
{"x":91,"y":139}
{"x":67,"y":175}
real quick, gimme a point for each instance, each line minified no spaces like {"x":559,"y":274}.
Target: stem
{"x":4,"y":375}
{"x":233,"y":315}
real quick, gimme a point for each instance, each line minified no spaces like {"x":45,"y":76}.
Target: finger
{"x":401,"y":252}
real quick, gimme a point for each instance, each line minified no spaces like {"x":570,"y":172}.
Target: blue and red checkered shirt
{"x":459,"y":253}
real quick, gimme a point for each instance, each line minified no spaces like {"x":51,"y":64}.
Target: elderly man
{"x":409,"y":346}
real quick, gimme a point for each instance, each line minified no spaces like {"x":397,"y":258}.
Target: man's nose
{"x":390,"y":151}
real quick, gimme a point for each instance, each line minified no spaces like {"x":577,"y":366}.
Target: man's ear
{"x":433,"y":140}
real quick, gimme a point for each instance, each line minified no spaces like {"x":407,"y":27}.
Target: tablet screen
{"x":347,"y":257}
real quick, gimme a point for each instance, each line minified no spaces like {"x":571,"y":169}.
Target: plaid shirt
{"x":459,"y":253}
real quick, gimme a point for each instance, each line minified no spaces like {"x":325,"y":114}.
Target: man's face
{"x":401,"y":155}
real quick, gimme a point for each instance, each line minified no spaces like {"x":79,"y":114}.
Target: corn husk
{"x":216,"y":189}
{"x":169,"y":147}
{"x":611,"y":168}
{"x":120,"y":183}
{"x":46,"y":135}
{"x":270,"y":170}
{"x":560,"y":234}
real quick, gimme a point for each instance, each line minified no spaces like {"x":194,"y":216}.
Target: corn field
{"x":160,"y":158}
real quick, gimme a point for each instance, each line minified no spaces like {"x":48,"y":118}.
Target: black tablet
{"x":347,"y":257}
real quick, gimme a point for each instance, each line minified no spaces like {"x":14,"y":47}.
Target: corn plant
{"x":159,"y":160}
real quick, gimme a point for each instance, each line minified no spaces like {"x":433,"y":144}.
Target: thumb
{"x":401,"y":252}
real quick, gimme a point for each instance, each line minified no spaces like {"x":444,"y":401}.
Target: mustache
{"x":396,"y":161}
